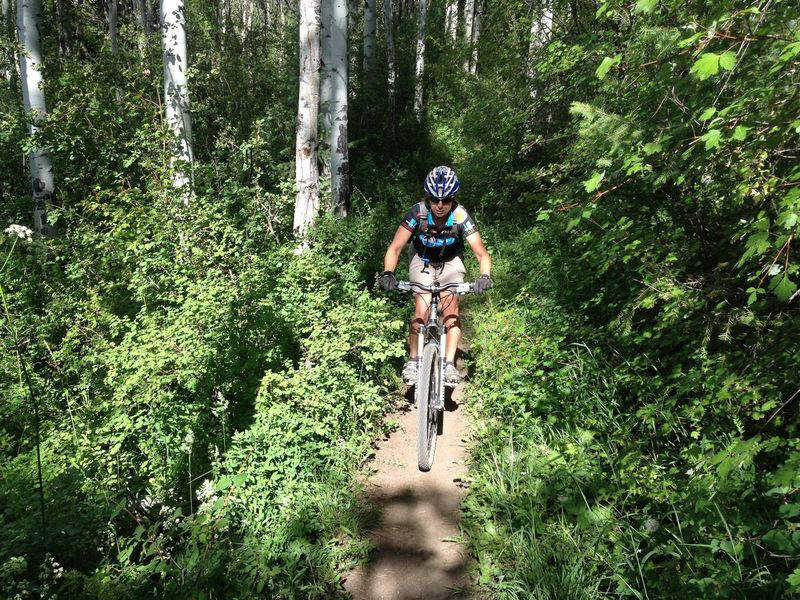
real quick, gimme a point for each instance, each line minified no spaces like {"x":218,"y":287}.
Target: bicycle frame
{"x":429,"y":389}
{"x":434,"y":330}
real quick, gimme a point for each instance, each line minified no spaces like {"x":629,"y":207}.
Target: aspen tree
{"x":112,"y":18}
{"x":6,"y":33}
{"x":370,"y":26}
{"x":388,"y":24}
{"x":476,"y":32}
{"x":142,"y":16}
{"x":469,"y":20}
{"x":541,"y":30}
{"x":337,"y":70}
{"x":451,"y":20}
{"x":420,"y":59}
{"x":29,"y":15}
{"x":306,"y":173}
{"x":176,"y":92}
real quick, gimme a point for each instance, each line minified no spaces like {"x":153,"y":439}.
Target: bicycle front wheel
{"x":428,"y":387}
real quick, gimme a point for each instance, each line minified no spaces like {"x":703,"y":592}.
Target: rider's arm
{"x":481,"y":253}
{"x":401,"y":237}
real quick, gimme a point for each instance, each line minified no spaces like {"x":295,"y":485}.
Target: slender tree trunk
{"x":476,"y":34}
{"x":112,"y":18}
{"x":420,"y":59}
{"x":176,"y":92}
{"x":541,"y":30}
{"x":63,"y":35}
{"x":29,"y":15}
{"x":340,"y":160}
{"x":370,"y":26}
{"x":388,"y":23}
{"x":8,"y":37}
{"x":306,"y":174}
{"x":451,"y":20}
{"x":247,"y":10}
{"x":140,"y":12}
{"x":469,"y":20}
{"x":325,"y":86}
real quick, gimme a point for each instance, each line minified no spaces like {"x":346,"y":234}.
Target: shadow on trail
{"x":409,"y":561}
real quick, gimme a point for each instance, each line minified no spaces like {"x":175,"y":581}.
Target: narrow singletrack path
{"x":414,"y":555}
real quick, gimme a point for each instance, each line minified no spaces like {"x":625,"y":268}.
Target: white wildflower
{"x":19,"y":231}
{"x":188,"y":441}
{"x":205,"y":491}
{"x":219,"y":405}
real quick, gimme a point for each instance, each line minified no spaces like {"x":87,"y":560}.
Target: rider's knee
{"x":416,"y":323}
{"x":452,"y":321}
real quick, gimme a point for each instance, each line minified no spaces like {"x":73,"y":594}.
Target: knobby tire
{"x":427,"y":392}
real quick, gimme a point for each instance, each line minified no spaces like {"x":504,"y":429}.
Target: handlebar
{"x":459,"y":288}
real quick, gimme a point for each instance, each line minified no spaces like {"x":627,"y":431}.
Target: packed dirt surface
{"x":414,"y":556}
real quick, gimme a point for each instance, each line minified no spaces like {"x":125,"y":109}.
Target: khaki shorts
{"x":451,"y":271}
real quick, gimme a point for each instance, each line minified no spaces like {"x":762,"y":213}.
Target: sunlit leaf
{"x":593,"y":182}
{"x":645,"y":6}
{"x":712,"y":138}
{"x":706,"y":66}
{"x":707,"y":114}
{"x":606,"y":64}
{"x":727,"y":60}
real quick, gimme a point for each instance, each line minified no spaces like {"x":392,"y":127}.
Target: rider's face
{"x":441,"y":206}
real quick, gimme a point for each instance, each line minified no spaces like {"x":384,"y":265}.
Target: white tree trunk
{"x":29,"y":14}
{"x":388,"y":24}
{"x":476,"y":34}
{"x":325,"y":86}
{"x":420,"y":62}
{"x":6,"y":56}
{"x":370,"y":25}
{"x":247,"y":10}
{"x":306,"y":206}
{"x":451,"y":20}
{"x":541,"y":31}
{"x":469,"y":20}
{"x":340,"y":161}
{"x":112,"y":14}
{"x":176,"y":92}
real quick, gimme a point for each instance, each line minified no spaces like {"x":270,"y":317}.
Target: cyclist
{"x":437,"y":227}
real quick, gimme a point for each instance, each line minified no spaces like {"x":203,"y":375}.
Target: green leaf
{"x":652,"y":148}
{"x":707,"y":114}
{"x":712,"y":138}
{"x":794,"y":580}
{"x":543,"y":215}
{"x":784,"y":288}
{"x":606,"y":64}
{"x":223,"y":484}
{"x":728,"y":60}
{"x":645,"y":6}
{"x":593,"y":182}
{"x":706,"y":66}
{"x":740,"y":133}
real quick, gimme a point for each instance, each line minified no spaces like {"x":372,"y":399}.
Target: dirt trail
{"x":413,"y":557}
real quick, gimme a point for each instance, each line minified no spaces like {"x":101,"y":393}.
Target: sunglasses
{"x":447,"y":200}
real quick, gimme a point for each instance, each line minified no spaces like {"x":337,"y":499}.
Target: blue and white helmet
{"x":441,"y":182}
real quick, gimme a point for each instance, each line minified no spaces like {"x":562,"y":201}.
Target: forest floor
{"x":415,"y":555}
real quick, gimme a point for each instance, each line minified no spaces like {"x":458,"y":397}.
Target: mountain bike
{"x":429,"y":394}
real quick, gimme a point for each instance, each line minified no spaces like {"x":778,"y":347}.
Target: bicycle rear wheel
{"x":428,"y":387}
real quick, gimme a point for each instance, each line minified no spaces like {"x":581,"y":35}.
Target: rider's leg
{"x":453,"y":324}
{"x":423,"y":301}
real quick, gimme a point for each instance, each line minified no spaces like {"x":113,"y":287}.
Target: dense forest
{"x":196,"y":199}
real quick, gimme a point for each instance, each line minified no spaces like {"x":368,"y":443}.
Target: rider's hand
{"x":387,"y":281}
{"x":482,"y":283}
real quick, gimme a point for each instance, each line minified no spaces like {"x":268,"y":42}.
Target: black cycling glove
{"x":482,"y":283}
{"x":387,"y":281}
